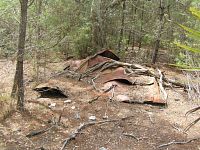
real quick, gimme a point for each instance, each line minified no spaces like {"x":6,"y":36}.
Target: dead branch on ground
{"x":85,"y":125}
{"x":131,"y":135}
{"x":192,"y":110}
{"x":195,"y":121}
{"x":55,"y":124}
{"x":191,"y":124}
{"x":79,"y":129}
{"x":178,"y":142}
{"x":38,"y":132}
{"x":176,"y":83}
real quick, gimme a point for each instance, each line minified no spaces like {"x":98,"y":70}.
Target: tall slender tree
{"x":159,"y":31}
{"x":18,"y":86}
{"x":122,"y":25}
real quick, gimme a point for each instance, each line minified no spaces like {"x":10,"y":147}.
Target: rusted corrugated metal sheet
{"x":154,"y":95}
{"x":102,"y":56}
{"x":114,"y":74}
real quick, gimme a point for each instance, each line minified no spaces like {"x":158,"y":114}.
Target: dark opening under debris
{"x":48,"y":92}
{"x":125,"y":81}
{"x":108,"y":54}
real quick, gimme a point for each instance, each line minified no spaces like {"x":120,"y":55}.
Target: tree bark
{"x":122,"y":26}
{"x":134,"y":21}
{"x":38,"y":50}
{"x":18,"y":86}
{"x":159,"y":32}
{"x":141,"y":27}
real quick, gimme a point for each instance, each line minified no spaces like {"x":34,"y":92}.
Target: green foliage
{"x":180,"y":59}
{"x":188,"y":48}
{"x":82,"y":42}
{"x":193,"y":33}
{"x":195,"y":12}
{"x":88,"y":25}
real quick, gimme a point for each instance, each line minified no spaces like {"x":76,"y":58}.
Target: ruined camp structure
{"x":107,"y":75}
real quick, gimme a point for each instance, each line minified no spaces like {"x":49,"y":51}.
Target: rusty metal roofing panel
{"x":102,"y":56}
{"x":114,"y":74}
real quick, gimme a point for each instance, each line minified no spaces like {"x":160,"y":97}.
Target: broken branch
{"x":178,"y":142}
{"x":85,"y":125}
{"x":131,"y":135}
{"x":191,"y":124}
{"x":80,"y":128}
{"x":34,"y":133}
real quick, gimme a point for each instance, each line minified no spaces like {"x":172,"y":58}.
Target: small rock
{"x":67,"y":101}
{"x":105,"y":117}
{"x":122,"y":98}
{"x":52,"y":105}
{"x":103,"y":148}
{"x":92,"y":118}
{"x":77,"y":115}
{"x":73,"y":107}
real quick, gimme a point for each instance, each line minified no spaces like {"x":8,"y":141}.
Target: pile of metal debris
{"x":131,"y":83}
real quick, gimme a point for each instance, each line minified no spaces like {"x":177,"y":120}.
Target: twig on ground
{"x":177,"y":128}
{"x":131,"y":135}
{"x":192,"y":110}
{"x":34,"y":133}
{"x":195,"y":121}
{"x":191,"y":124}
{"x":94,"y":99}
{"x":178,"y":142}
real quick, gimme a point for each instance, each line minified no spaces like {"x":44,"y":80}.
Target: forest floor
{"x":131,"y":126}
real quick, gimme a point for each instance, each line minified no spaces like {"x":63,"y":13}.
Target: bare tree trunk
{"x":18,"y":86}
{"x":97,"y":25}
{"x":159,"y":32}
{"x":38,"y":51}
{"x":141,"y":27}
{"x":134,"y":20}
{"x":122,"y":26}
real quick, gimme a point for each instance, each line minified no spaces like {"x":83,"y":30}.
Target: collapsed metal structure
{"x":107,"y":74}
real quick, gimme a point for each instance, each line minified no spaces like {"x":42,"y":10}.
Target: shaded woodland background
{"x":59,"y":29}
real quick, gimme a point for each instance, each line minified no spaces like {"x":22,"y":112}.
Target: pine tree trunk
{"x":18,"y":87}
{"x":159,"y":32}
{"x":134,"y":20}
{"x":141,"y":27}
{"x":122,"y":27}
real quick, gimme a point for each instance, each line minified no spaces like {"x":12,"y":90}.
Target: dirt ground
{"x":134,"y":126}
